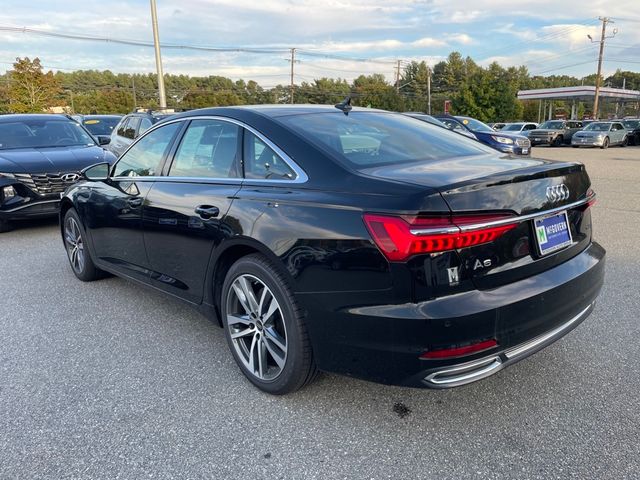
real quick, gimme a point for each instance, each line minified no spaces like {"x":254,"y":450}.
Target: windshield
{"x":475,"y":125}
{"x":101,"y":126}
{"x":598,"y":126}
{"x":553,"y":125}
{"x":40,"y":133}
{"x":631,"y":124}
{"x":513,"y":127}
{"x":369,"y":139}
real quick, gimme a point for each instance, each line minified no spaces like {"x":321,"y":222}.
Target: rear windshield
{"x":39,"y":133}
{"x":101,"y":126}
{"x":631,"y":124}
{"x":513,"y":127}
{"x":369,"y":139}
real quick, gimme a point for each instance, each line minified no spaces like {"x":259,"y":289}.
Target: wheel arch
{"x":225,"y":256}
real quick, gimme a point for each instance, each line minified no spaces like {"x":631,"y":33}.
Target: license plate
{"x":552,"y":232}
{"x":525,"y":151}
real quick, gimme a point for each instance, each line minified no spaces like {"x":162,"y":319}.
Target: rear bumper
{"x":366,"y":336}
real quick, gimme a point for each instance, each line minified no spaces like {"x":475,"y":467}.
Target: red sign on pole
{"x":447,"y":106}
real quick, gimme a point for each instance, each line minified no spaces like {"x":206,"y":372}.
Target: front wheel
{"x":79,"y":257}
{"x":625,"y":142}
{"x":605,"y":143}
{"x":265,"y":327}
{"x":557,"y":142}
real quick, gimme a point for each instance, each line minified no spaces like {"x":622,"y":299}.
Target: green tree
{"x":31,"y":90}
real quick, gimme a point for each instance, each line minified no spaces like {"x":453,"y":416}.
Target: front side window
{"x":132,"y":126}
{"x":209,"y":149}
{"x":261,"y":162}
{"x":144,"y":158}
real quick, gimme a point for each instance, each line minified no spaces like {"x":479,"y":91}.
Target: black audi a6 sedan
{"x":361,"y":242}
{"x":40,"y":156}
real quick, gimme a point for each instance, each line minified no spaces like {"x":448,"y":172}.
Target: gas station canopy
{"x":579,"y":93}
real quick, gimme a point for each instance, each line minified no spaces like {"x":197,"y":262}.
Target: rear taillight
{"x":401,"y":237}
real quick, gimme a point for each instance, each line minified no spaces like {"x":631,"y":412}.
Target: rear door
{"x":185,"y":211}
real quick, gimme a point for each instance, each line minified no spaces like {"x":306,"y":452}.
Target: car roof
{"x":272,"y":111}
{"x":13,"y":117}
{"x":90,"y":117}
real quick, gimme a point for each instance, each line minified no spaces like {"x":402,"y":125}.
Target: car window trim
{"x":301,"y":177}
{"x":132,"y":144}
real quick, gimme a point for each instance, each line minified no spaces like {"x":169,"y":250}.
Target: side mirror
{"x":104,"y":139}
{"x":96,"y":173}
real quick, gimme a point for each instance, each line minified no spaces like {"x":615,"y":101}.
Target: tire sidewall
{"x":88,"y":271}
{"x":288,"y":377}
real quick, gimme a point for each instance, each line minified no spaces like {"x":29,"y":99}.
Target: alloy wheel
{"x":75,"y":245}
{"x":256,"y":326}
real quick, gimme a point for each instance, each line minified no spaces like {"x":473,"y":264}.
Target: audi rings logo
{"x":557,"y":193}
{"x":73,"y":177}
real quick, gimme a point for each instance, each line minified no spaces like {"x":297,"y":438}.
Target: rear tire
{"x":605,"y":143}
{"x":264,"y":326}
{"x":5,"y":226}
{"x":73,"y":235}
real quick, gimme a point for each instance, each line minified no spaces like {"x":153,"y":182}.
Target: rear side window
{"x":260,"y":161}
{"x":209,"y":149}
{"x":144,"y":158}
{"x":145,"y":125}
{"x":367,"y":139}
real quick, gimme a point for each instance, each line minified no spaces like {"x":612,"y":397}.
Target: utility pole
{"x":292,"y":86}
{"x":603,"y":37}
{"x":73,"y":108}
{"x":429,"y":90}
{"x":133,"y":84}
{"x":398,"y":76}
{"x":156,"y":44}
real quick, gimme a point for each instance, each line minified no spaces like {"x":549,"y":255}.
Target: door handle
{"x":207,"y":211}
{"x":135,"y":202}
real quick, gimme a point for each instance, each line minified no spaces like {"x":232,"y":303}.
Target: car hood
{"x":544,"y":131}
{"x":513,"y":136}
{"x":52,"y":159}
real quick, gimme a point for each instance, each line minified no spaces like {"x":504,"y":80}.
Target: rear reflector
{"x":460,"y":351}
{"x":394,"y":237}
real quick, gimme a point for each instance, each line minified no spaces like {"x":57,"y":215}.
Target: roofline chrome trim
{"x":301,"y":175}
{"x":537,"y":341}
{"x":504,"y":221}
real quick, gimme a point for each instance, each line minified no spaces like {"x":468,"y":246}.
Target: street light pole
{"x":156,"y":44}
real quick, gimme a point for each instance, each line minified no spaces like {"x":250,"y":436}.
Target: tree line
{"x":487,"y":93}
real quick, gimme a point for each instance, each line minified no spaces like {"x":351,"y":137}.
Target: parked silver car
{"x":601,"y":134}
{"x":520,"y":128}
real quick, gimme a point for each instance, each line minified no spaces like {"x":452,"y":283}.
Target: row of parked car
{"x":577,"y":133}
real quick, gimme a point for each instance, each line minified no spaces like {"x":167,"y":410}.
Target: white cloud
{"x":461,"y":38}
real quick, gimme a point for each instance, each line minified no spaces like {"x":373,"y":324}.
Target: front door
{"x":113,"y":213}
{"x":185,"y":211}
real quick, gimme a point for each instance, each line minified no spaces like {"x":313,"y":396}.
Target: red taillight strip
{"x":459,"y":351}
{"x":507,"y":220}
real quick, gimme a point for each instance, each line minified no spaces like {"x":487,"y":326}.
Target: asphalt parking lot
{"x":112,"y":380}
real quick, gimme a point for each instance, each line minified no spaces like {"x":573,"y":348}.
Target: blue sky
{"x":548,"y":36}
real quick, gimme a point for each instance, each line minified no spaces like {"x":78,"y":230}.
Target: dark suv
{"x":555,"y":132}
{"x":131,"y":127}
